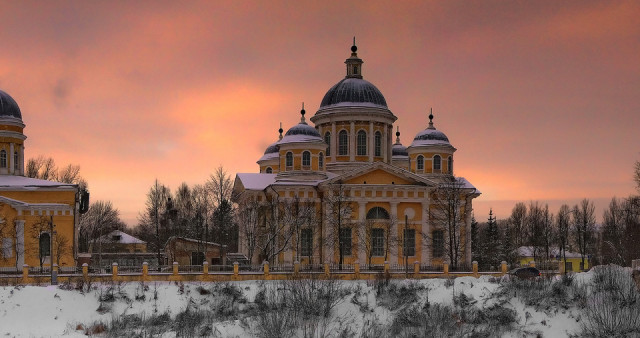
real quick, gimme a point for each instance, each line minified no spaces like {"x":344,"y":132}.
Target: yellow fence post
{"x":175,"y":268}
{"x":326,"y":269}
{"x":25,"y":273}
{"x":561,"y":267}
{"x":205,"y":268}
{"x":503,"y":268}
{"x":445,"y":268}
{"x":236,"y":269}
{"x":114,"y":271}
{"x":265,"y":268}
{"x":416,"y":268}
{"x":386,"y":267}
{"x":85,"y":271}
{"x":296,"y":268}
{"x":475,"y":269}
{"x":145,"y":270}
{"x":356,"y":268}
{"x":532,"y":264}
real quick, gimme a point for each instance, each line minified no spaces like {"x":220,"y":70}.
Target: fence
{"x":236,"y":272}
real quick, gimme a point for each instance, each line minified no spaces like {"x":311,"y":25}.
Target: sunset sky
{"x":541,"y":98}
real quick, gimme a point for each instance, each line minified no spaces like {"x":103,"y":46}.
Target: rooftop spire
{"x":302,"y":112}
{"x":431,"y":119}
{"x":280,"y":131}
{"x":354,"y":64}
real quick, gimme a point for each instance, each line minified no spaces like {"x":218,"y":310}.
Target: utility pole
{"x":405,"y":250}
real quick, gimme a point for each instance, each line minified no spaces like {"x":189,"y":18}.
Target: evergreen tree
{"x":476,"y":254}
{"x":493,"y":248}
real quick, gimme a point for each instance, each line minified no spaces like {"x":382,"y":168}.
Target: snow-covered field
{"x":483,"y":307}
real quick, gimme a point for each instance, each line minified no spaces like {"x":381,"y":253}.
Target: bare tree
{"x":42,"y":243}
{"x":69,"y":174}
{"x":221,"y":185}
{"x":61,"y":247}
{"x":636,"y":175}
{"x":584,"y":221}
{"x":613,"y":233}
{"x":517,"y":221}
{"x":448,"y":213}
{"x":365,"y":229}
{"x":339,"y":209}
{"x":277,"y":234}
{"x":534,"y":223}
{"x":101,"y":219}
{"x":249,"y":223}
{"x":548,"y":234}
{"x":155,"y":218}
{"x":563,"y":225}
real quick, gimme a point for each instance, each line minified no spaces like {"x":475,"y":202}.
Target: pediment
{"x":380,"y":173}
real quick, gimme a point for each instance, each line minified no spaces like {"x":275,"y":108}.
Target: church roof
{"x":9,"y":106}
{"x":14,"y":182}
{"x":353,"y":91}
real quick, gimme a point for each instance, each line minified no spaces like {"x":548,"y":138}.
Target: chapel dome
{"x":9,"y":106}
{"x":354,"y":91}
{"x":301,"y":132}
{"x":430,"y":136}
{"x":398,"y":149}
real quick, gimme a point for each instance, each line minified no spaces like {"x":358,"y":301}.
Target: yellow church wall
{"x":66,"y":197}
{"x":417,"y":208}
{"x":378,"y":177}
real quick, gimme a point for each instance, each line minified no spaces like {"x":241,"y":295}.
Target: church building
{"x":345,"y":190}
{"x":38,"y":218}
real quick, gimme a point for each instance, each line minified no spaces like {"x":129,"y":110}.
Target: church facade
{"x":345,"y":190}
{"x":38,"y":218}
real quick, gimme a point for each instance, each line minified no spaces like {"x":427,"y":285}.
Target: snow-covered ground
{"x":480,"y":307}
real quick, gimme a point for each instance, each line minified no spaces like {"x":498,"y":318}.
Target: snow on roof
{"x":191,"y":240}
{"x":527,"y":251}
{"x":21,"y":204}
{"x":11,"y":181}
{"x":254,"y":181}
{"x":117,"y":236}
{"x":466,"y":184}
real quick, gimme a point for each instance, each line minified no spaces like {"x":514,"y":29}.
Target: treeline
{"x":572,"y":229}
{"x":202,"y":212}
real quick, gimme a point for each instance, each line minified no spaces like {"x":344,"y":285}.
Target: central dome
{"x":9,"y":106}
{"x":354,"y":91}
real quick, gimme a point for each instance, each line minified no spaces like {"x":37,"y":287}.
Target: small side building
{"x":188,"y":251}
{"x":122,"y":248}
{"x":573,"y":262}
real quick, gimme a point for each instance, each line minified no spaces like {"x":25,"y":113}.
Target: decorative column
{"x":362,"y":212}
{"x":20,"y":242}
{"x":334,"y":148}
{"x":11,"y":159}
{"x":426,"y":234}
{"x":386,"y":141}
{"x":352,"y":142}
{"x":393,"y":229}
{"x":372,"y":142}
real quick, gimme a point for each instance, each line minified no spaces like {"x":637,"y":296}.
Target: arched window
{"x":289,"y":161}
{"x":45,"y":244}
{"x":327,"y":140}
{"x":15,"y":161}
{"x":362,"y":143}
{"x":269,"y":170}
{"x":436,"y":163}
{"x":377,"y":213}
{"x":320,"y":161}
{"x":306,"y":159}
{"x":355,"y":70}
{"x":420,"y":163}
{"x":343,"y":143}
{"x":378,"y":144}
{"x":450,"y":165}
{"x":3,"y":158}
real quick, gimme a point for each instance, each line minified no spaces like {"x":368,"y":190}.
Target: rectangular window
{"x":345,"y":241}
{"x":438,"y":243}
{"x":306,"y":242}
{"x":377,"y":242}
{"x":7,"y":247}
{"x":568,"y":266}
{"x":378,"y":145}
{"x":409,"y":242}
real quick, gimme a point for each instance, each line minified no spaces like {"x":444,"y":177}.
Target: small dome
{"x":399,"y":150}
{"x":301,"y":132}
{"x":430,"y":137}
{"x":355,"y":91}
{"x":272,"y":148}
{"x":9,"y":106}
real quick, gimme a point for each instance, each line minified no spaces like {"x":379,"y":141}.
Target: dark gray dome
{"x":399,"y":150}
{"x":302,"y":129}
{"x":9,"y":106}
{"x":354,"y":90}
{"x":273,"y":148}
